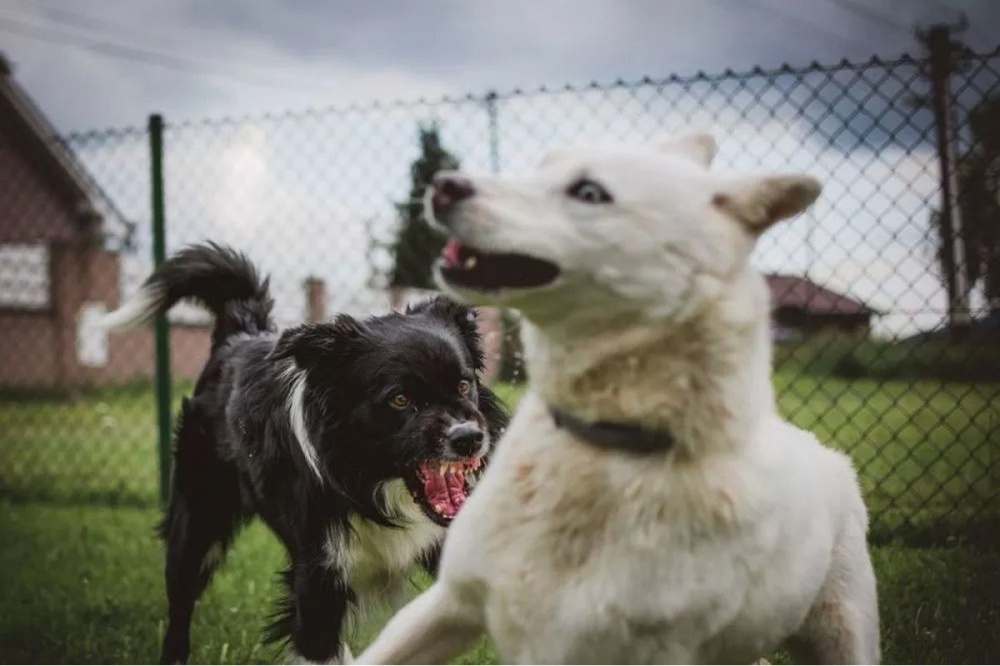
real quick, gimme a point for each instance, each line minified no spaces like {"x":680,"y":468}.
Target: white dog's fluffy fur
{"x":749,"y":534}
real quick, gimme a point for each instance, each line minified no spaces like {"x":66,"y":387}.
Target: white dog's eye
{"x":589,"y":192}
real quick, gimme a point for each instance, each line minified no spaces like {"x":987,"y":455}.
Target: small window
{"x":24,"y":277}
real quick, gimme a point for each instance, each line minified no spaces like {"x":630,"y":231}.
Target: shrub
{"x":922,"y":359}
{"x":855,"y":358}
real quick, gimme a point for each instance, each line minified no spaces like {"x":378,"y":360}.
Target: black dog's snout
{"x":465,"y":439}
{"x":449,"y":189}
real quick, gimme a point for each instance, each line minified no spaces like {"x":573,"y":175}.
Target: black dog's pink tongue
{"x":444,"y":487}
{"x":455,"y":481}
{"x":452,"y":253}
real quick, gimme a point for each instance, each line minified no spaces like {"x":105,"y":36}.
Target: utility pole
{"x":941,"y":49}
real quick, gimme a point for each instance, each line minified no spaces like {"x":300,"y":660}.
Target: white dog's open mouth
{"x":463,"y":266}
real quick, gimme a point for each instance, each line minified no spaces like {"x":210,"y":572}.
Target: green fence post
{"x":161,"y":326}
{"x":491,"y":112}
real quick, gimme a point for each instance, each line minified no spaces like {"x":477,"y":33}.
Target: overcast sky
{"x":101,"y":63}
{"x":317,"y":187}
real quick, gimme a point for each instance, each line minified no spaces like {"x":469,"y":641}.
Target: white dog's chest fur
{"x":630,"y":559}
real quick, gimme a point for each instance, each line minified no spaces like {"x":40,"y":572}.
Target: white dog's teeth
{"x":470,"y":263}
{"x":443,"y":469}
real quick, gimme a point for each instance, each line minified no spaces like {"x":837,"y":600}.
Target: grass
{"x":83,"y":585}
{"x":926,"y":449}
{"x":100,"y":446}
{"x":81,"y":579}
{"x":852,"y":357}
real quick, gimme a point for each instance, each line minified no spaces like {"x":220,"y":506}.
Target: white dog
{"x":647,"y":503}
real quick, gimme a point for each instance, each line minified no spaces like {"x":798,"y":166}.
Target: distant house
{"x":800,"y":307}
{"x":57,"y":269}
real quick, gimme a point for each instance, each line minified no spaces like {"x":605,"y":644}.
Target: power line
{"x":867,"y":14}
{"x":95,"y":24}
{"x":99,"y":27}
{"x":79,"y":19}
{"x":137,"y":55}
{"x":105,"y":46}
{"x":810,"y":25}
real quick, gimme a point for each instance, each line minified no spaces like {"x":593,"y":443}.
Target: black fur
{"x":222,"y":280}
{"x":237,"y":456}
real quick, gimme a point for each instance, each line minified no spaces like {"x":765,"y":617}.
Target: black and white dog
{"x":356,"y":441}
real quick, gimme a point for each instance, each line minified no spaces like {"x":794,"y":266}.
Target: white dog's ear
{"x":762,"y":202}
{"x":700,"y":147}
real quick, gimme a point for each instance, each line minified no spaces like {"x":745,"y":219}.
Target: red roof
{"x":789,"y":291}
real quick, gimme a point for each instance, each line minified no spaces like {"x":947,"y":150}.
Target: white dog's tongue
{"x":444,"y":491}
{"x":452,"y":253}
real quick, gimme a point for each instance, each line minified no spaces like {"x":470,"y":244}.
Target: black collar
{"x":615,"y":436}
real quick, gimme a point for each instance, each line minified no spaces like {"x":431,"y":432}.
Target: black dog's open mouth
{"x":463,"y":266}
{"x":441,"y":487}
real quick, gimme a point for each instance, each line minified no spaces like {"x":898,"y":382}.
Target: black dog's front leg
{"x":321,"y":598}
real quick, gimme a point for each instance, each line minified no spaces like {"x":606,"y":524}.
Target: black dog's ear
{"x":461,"y":316}
{"x":309,"y":344}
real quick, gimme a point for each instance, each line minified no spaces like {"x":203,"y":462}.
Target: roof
{"x":790,"y":291}
{"x":33,"y":134}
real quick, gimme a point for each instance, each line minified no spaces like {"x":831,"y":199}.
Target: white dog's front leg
{"x":843,"y":627}
{"x":432,"y":629}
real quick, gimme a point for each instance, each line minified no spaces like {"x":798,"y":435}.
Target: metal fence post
{"x":161,"y":326}
{"x":491,"y":111}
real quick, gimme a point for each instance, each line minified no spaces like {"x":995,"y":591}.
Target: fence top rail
{"x":700,"y":76}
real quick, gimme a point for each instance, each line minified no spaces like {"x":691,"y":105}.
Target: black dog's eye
{"x":400,"y":401}
{"x":588,"y":192}
{"x":464,"y":387}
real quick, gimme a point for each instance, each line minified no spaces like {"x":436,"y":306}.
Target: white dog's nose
{"x":449,"y":189}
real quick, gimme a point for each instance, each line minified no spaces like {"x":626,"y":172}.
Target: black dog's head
{"x":398,"y":397}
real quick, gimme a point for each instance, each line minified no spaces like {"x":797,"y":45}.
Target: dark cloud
{"x":526,"y":40}
{"x":323,"y":52}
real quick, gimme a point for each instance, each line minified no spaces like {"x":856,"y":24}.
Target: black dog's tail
{"x":216,"y":277}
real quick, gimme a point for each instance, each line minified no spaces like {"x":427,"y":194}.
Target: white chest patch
{"x":297,"y":416}
{"x":377,"y":559}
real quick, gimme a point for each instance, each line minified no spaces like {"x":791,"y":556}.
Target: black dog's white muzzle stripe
{"x":615,"y":436}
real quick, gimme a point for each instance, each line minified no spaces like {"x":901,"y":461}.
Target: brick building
{"x":61,"y":265}
{"x":58,"y":270}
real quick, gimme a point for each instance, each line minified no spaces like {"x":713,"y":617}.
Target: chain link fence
{"x":875,"y":352}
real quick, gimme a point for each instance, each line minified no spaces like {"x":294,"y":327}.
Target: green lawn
{"x":927,"y":450}
{"x":80,"y":570}
{"x":83,"y":584}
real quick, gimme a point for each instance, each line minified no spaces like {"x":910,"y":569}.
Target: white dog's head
{"x":614,"y":232}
